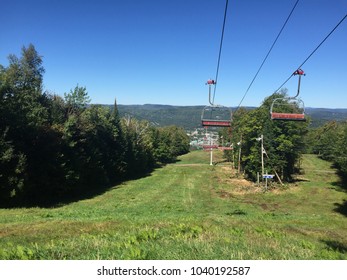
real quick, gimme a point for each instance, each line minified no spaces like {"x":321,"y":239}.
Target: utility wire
{"x":267,"y":55}
{"x":220,"y":49}
{"x":321,"y":43}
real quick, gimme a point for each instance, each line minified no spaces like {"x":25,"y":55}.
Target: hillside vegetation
{"x":54,"y":149}
{"x":189,"y":117}
{"x":189,"y":210}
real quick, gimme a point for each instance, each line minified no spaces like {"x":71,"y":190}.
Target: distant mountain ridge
{"x":189,"y":117}
{"x":320,"y":116}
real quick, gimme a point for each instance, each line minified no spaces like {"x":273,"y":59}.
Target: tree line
{"x":54,"y":147}
{"x":283,"y":141}
{"x":329,"y":142}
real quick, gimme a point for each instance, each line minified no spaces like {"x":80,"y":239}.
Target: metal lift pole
{"x":262,"y":155}
{"x":211,"y":151}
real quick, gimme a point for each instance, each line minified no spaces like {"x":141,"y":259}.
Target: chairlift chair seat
{"x":210,"y":147}
{"x":288,"y":116}
{"x":216,"y":123}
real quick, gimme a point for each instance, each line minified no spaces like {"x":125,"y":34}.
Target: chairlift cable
{"x":219,"y":116}
{"x":268,"y":53}
{"x":320,"y":44}
{"x":220,"y":49}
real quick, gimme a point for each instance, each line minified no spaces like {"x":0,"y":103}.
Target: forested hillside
{"x":189,"y":117}
{"x":53,"y":148}
{"x":320,"y":116}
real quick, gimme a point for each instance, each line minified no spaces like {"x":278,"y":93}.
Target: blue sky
{"x":162,"y":52}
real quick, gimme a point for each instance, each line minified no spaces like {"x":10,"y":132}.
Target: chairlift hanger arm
{"x":210,"y":83}
{"x":298,"y":72}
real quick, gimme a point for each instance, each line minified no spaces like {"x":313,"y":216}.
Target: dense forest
{"x":53,"y":147}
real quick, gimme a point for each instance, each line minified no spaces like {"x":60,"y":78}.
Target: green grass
{"x":188,"y":210}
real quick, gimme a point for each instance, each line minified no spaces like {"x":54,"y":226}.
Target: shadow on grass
{"x":341,"y":185}
{"x":221,"y":162}
{"x":56,"y":200}
{"x":341,"y":208}
{"x":59,"y":196}
{"x":99,"y":190}
{"x":297,"y":180}
{"x":335,"y":246}
{"x":236,"y":212}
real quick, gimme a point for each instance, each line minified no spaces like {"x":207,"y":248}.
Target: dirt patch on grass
{"x":271,"y":206}
{"x":224,"y":194}
{"x":237,"y":186}
{"x":242,"y":182}
{"x":230,"y":184}
{"x":267,"y":207}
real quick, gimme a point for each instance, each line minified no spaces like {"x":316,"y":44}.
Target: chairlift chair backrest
{"x":287,"y":109}
{"x":216,"y":116}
